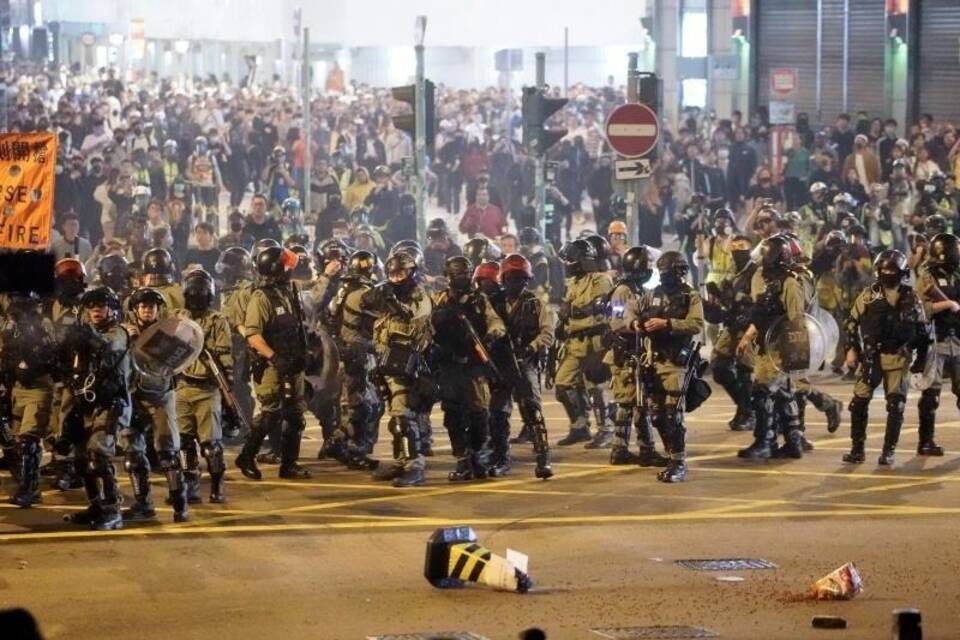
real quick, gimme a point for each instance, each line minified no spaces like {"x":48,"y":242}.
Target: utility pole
{"x":307,"y":134}
{"x":636,"y":187}
{"x":420,"y":142}
{"x":539,"y":159}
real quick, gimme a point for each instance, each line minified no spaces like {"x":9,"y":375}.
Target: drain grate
{"x":433,"y":635}
{"x":726,"y":564}
{"x":659,"y":631}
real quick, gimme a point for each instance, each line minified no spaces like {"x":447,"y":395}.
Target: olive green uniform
{"x":584,"y":324}
{"x":234,"y":309}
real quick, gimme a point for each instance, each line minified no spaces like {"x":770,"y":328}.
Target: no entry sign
{"x":632,"y":130}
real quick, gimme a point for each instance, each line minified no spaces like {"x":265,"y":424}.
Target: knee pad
{"x":393,"y":426}
{"x":210,"y":449}
{"x":858,"y":406}
{"x":624,"y":414}
{"x":896,"y":404}
{"x":169,"y":460}
{"x":101,"y":465}
{"x":929,"y":400}
{"x":134,"y":461}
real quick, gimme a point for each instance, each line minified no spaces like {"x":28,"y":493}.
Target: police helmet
{"x":516,"y":266}
{"x":234,"y":264}
{"x":890,"y":267}
{"x":602,"y":247}
{"x":363,"y":265}
{"x":636,"y":263}
{"x":198,"y":290}
{"x":276,"y":262}
{"x":776,"y":252}
{"x":145,"y":295}
{"x":157,"y":267}
{"x":944,"y":253}
{"x":480,"y":249}
{"x":934,"y":224}
{"x":579,"y":257}
{"x":529,"y":237}
{"x":102,"y":295}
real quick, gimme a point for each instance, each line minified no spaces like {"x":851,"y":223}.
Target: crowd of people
{"x":477,"y":318}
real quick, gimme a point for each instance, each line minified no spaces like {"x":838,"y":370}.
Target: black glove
{"x":285,"y":365}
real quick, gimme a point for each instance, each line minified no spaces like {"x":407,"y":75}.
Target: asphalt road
{"x":340,"y":556}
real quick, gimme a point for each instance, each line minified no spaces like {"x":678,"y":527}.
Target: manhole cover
{"x":433,"y":635}
{"x":726,"y":564}
{"x":659,"y":631}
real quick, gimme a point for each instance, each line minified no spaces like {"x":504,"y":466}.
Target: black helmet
{"x":405,"y":264}
{"x":618,"y":207}
{"x":24,"y":305}
{"x":602,"y":248}
{"x":459,"y":273}
{"x":276,"y":263}
{"x":579,"y":257}
{"x":411,"y":248}
{"x":234,"y":265}
{"x":157,"y":267}
{"x":100,"y":296}
{"x":114,"y":272}
{"x":934,"y":224}
{"x":529,"y":237}
{"x":297,"y":238}
{"x":673,"y":268}
{"x":330,"y":250}
{"x":198,"y":290}
{"x":891,"y":268}
{"x":478,"y":250}
{"x":944,"y":253}
{"x":835,"y":238}
{"x":437,"y":229}
{"x":636,"y":264}
{"x":263,"y":243}
{"x":145,"y":295}
{"x":70,"y":276}
{"x":724,"y":214}
{"x":776,"y":253}
{"x":363,"y":265}
{"x":302,"y":271}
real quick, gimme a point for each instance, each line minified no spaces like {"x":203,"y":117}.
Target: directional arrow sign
{"x":633,"y":169}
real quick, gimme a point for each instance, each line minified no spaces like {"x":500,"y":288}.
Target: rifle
{"x":229,"y":400}
{"x":691,"y":368}
{"x":481,"y":351}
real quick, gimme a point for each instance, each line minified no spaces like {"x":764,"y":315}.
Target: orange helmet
{"x":617,"y":226}
{"x":69,"y":268}
{"x":487,"y":270}
{"x":516,"y":264}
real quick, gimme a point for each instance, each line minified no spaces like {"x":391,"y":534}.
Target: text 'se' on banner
{"x":27,"y":162}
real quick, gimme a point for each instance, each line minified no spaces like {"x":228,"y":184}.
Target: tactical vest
{"x":284,"y":332}
{"x":451,"y":335}
{"x":348,"y":322}
{"x":742,"y":302}
{"x":947,"y":324}
{"x":523,"y":322}
{"x":890,"y":328}
{"x":769,"y":305}
{"x":673,"y":305}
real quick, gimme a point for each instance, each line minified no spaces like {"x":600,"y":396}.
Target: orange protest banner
{"x":27,"y":163}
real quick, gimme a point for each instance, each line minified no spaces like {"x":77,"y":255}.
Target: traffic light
{"x":408,"y":122}
{"x":537,"y":109}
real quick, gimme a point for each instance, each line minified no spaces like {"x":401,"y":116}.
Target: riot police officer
{"x":530,"y":325}
{"x":729,"y":305}
{"x":480,"y":249}
{"x":776,"y":292}
{"x":439,"y":247}
{"x":64,"y":312}
{"x":531,"y":248}
{"x":154,"y":409}
{"x":670,"y":316}
{"x":199,"y":401}
{"x":462,"y":317}
{"x":236,"y":273}
{"x":402,"y":335}
{"x":885,"y":326}
{"x":100,"y":378}
{"x":274,"y":329}
{"x":27,"y":343}
{"x":938,"y":284}
{"x":351,"y":324}
{"x":623,"y":357}
{"x":114,"y":272}
{"x":159,"y":273}
{"x":582,"y":326}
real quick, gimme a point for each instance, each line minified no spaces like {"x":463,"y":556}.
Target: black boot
{"x":500,"y":444}
{"x":649,"y":456}
{"x":533,"y":416}
{"x":67,"y":476}
{"x":895,"y":407}
{"x":524,"y":437}
{"x":763,"y":434}
{"x":574,"y":436}
{"x":91,"y":487}
{"x":410,"y":478}
{"x":139,"y":469}
{"x":30,"y":455}
{"x":927,"y":408}
{"x":247,"y":460}
{"x":109,"y":517}
{"x":858,"y":430}
{"x":411,"y":473}
{"x":463,"y":471}
{"x":191,"y":472}
{"x":676,"y":471}
{"x":602,"y":439}
{"x":794,"y":445}
{"x":390,"y":471}
{"x":290,"y":469}
{"x":575,"y":404}
{"x":173,"y":470}
{"x":213,"y":453}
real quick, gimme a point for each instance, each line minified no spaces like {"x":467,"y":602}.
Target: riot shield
{"x":831,"y":332}
{"x":167,"y":347}
{"x":323,"y":374}
{"x":932,"y":371}
{"x":796,"y":346}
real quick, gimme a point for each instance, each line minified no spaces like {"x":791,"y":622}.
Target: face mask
{"x":741,"y":258}
{"x":70,"y":287}
{"x":670,"y":279}
{"x":514,"y":286}
{"x":890,"y":280}
{"x":236,"y":227}
{"x":402,"y":288}
{"x":460,"y":284}
{"x":489,"y":287}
